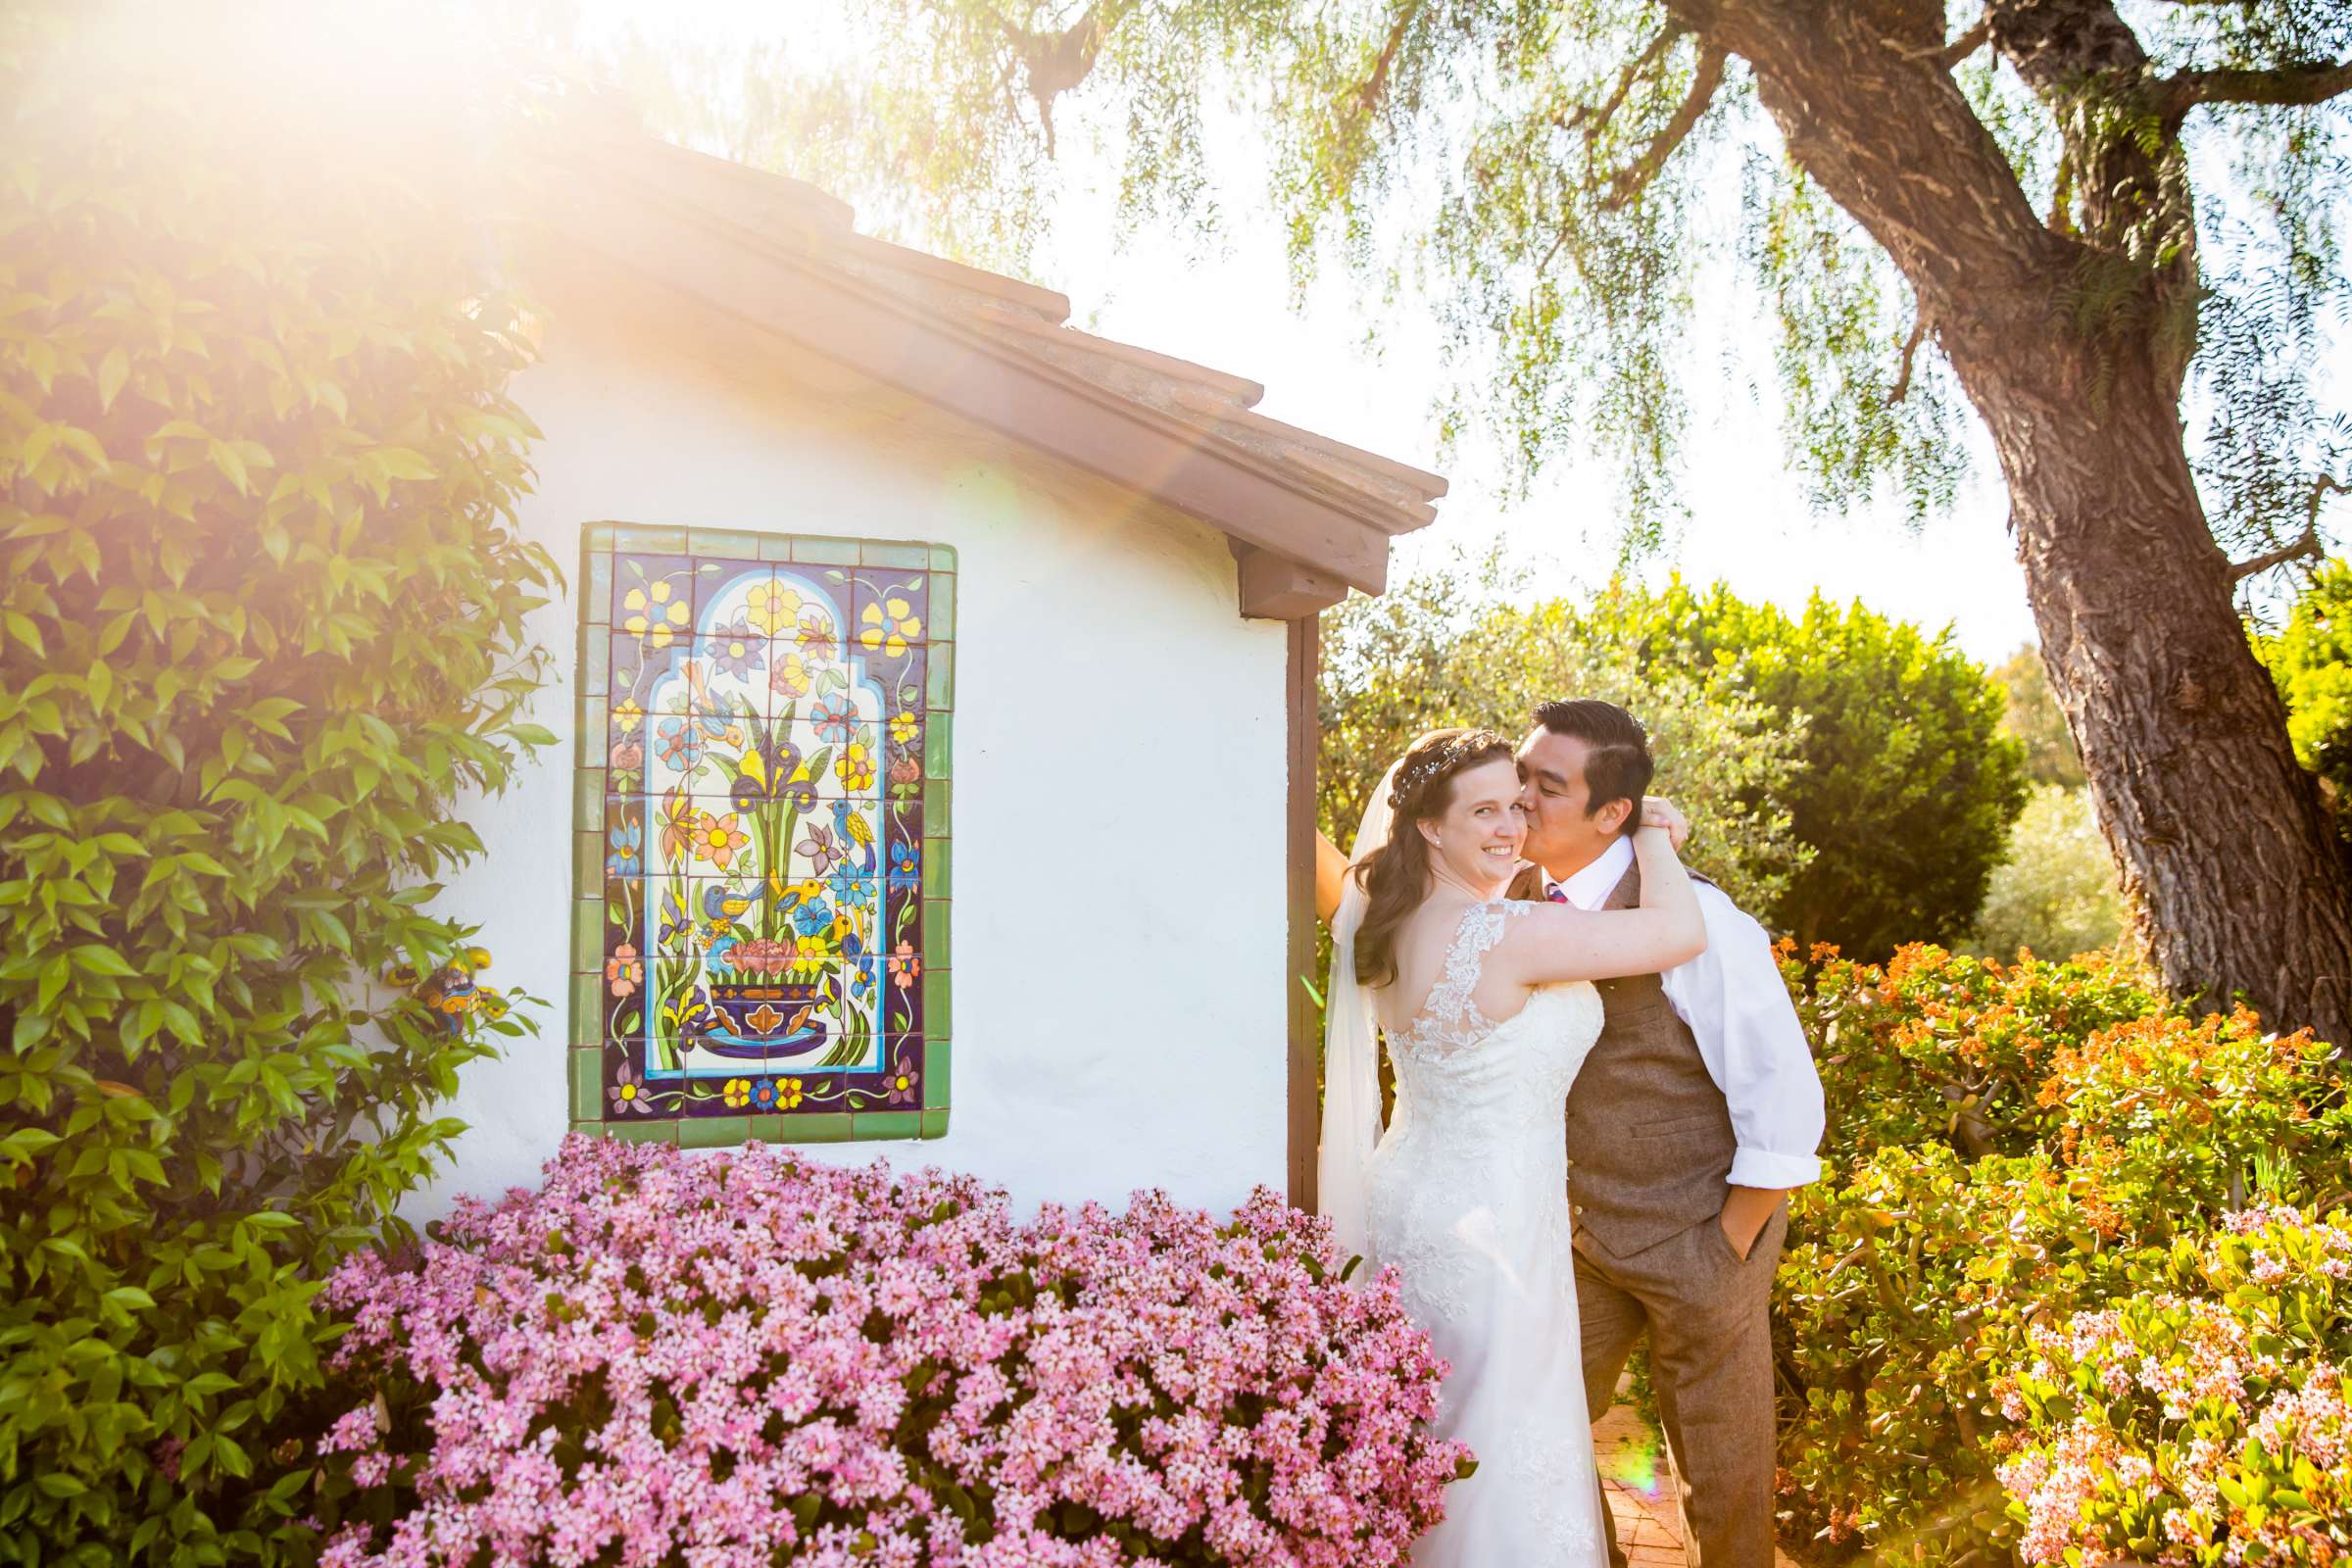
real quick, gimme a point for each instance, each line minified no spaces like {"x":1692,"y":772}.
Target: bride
{"x":1488,"y":1012}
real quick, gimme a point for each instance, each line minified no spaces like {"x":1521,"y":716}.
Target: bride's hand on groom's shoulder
{"x":1660,"y":811}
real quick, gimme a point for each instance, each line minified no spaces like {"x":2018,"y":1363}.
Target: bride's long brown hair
{"x":1395,"y":876}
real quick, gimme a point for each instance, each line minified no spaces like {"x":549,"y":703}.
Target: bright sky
{"x":1750,"y":524}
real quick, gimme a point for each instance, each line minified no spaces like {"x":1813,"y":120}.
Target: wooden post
{"x":1305,"y":1037}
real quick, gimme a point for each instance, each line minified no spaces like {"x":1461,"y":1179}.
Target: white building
{"x":940,"y":730}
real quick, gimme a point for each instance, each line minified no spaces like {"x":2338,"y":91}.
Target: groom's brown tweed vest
{"x":1649,"y":1134}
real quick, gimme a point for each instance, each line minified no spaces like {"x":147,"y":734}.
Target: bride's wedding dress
{"x":1467,"y":1197}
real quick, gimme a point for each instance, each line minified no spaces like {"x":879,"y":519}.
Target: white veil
{"x":1351,"y":1056}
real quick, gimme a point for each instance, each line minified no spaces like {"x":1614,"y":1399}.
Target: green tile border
{"x":656,"y":541}
{"x":939,"y":991}
{"x":591,"y":787}
{"x":818,"y":1127}
{"x":722,"y":542}
{"x":714,"y":1132}
{"x":938,"y":939}
{"x":823,"y":550}
{"x":898,"y":558}
{"x":588,"y":1009}
{"x":588,"y":935}
{"x":939,"y":1057}
{"x":943,"y":608}
{"x":939,"y":679}
{"x":587,"y":863}
{"x":587,"y":1083}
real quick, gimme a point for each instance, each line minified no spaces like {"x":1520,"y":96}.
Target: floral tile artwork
{"x":756,"y":738}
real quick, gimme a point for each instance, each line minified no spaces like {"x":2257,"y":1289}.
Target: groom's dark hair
{"x":1617,"y":762}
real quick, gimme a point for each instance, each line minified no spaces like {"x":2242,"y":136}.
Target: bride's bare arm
{"x":1556,"y":941}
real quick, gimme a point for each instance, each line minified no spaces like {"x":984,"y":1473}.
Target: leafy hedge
{"x":2010,"y":1145}
{"x":261,"y":625}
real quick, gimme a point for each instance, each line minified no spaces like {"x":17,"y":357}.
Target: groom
{"x":1696,"y":1110}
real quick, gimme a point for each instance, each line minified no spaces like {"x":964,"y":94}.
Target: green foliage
{"x":2311,"y":661}
{"x":1845,"y":771}
{"x":1551,"y":182}
{"x":1445,"y":647}
{"x":262,"y":613}
{"x":1908,"y":789}
{"x":2037,"y":722}
{"x":2009,"y":1145}
{"x":2056,"y":892}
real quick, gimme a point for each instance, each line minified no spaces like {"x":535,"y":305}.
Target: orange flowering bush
{"x":2009,"y":1145}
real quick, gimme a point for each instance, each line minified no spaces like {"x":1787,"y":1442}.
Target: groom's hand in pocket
{"x":1745,"y":1213}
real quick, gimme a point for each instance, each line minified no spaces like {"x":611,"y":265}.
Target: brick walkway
{"x":1637,"y":1480}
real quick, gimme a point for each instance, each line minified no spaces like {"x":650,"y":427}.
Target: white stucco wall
{"x":1118,"y":913}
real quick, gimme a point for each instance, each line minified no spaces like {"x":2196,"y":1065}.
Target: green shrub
{"x":1909,"y":783}
{"x":1848,"y":775}
{"x":2037,"y":722}
{"x":2056,"y":892}
{"x":2010,"y":1145}
{"x":261,"y":625}
{"x":2310,"y":660}
{"x":1447,"y":646}
{"x":1938,"y":1048}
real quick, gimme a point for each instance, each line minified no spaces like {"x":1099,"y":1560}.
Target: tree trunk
{"x":2224,"y":845}
{"x":2221,"y":838}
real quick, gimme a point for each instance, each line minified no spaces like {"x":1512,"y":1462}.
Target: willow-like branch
{"x":1968,"y":43}
{"x":1632,"y":179}
{"x":2281,"y":87}
{"x":1376,"y":85}
{"x":1593,"y":121}
{"x":1902,"y":380}
{"x":2306,"y":547}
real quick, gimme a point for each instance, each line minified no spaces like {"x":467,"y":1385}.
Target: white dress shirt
{"x":1737,"y":1007}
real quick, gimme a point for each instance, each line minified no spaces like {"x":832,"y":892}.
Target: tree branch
{"x":1377,"y":84}
{"x":2284,"y":85}
{"x":1968,"y":43}
{"x":1631,"y":180}
{"x":2306,"y":547}
{"x":1902,"y":380}
{"x":1595,"y":120}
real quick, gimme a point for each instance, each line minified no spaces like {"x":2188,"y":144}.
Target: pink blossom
{"x":664,"y":1359}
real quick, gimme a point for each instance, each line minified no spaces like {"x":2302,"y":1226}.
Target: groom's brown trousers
{"x":1649,"y":1151}
{"x":1710,"y":1357}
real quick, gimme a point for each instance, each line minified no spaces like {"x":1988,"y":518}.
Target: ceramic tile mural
{"x":760,"y":924}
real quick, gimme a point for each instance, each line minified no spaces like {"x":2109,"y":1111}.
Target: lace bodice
{"x":1450,"y":1018}
{"x":1477,"y":1125}
{"x":1450,"y":1021}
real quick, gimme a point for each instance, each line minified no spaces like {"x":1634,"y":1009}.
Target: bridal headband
{"x":1411,"y":778}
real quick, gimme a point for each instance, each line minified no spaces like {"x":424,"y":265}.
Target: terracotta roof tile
{"x":1021,"y":324}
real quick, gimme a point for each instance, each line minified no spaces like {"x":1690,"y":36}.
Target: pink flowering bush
{"x":745,"y":1359}
{"x":2199,"y":1425}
